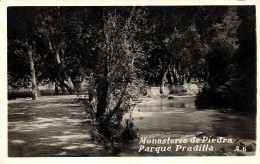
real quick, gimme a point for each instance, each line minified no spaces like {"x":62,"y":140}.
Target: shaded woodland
{"x":119,"y":52}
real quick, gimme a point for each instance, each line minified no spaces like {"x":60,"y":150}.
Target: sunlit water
{"x":179,"y":118}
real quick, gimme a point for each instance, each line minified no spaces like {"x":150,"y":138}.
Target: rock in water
{"x":170,"y":97}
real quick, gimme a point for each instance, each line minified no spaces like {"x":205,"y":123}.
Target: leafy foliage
{"x":119,"y":51}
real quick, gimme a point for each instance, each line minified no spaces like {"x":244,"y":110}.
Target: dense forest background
{"x":120,"y":51}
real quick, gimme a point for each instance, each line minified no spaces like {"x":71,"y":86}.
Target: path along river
{"x":53,"y":126}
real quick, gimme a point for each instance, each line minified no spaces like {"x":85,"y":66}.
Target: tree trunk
{"x":119,"y":102}
{"x":38,"y":90}
{"x":182,"y":78}
{"x":65,"y":81}
{"x":63,"y":89}
{"x":169,"y":75}
{"x":102,"y":91}
{"x":63,"y":86}
{"x":102,"y":98}
{"x":174,"y":74}
{"x":56,"y":88}
{"x":164,"y":78}
{"x":33,"y":77}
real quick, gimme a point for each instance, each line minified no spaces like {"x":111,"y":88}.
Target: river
{"x":179,"y":118}
{"x":55,"y":126}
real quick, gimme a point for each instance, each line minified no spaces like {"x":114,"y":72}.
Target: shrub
{"x":46,"y":92}
{"x":224,"y":98}
{"x":23,"y":93}
{"x":20,"y":93}
{"x":177,"y":89}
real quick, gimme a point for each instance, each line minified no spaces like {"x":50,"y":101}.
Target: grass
{"x":23,"y":93}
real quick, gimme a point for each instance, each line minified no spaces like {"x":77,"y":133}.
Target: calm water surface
{"x":178,"y":118}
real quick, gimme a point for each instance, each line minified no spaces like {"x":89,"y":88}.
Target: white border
{"x":3,"y":83}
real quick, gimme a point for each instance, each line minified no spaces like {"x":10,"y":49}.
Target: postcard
{"x":122,"y":81}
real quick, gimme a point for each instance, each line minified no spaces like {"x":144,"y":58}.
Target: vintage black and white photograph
{"x":130,"y":81}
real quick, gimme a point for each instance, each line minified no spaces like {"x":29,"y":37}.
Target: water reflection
{"x":181,"y":115}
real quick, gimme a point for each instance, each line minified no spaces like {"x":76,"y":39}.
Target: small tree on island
{"x":117,"y":78}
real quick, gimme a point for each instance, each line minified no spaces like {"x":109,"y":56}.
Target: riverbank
{"x":55,"y":126}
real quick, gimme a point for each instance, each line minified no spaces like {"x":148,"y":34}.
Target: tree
{"x":174,"y":45}
{"x":21,"y":33}
{"x":117,"y":77}
{"x":51,"y":28}
{"x":230,"y":83}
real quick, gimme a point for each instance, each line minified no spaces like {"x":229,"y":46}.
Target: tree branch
{"x":117,"y":106}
